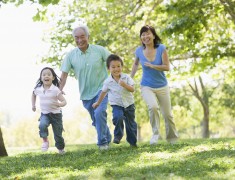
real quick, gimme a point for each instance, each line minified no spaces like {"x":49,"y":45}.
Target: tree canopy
{"x":199,"y":36}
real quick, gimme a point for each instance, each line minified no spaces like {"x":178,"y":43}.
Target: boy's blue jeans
{"x":99,"y":119}
{"x":128,"y":115}
{"x":57,"y":126}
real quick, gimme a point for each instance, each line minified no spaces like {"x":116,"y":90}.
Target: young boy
{"x":120,"y":87}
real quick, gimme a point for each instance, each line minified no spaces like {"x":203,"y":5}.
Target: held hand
{"x":63,"y":92}
{"x":34,"y":108}
{"x":57,"y":104}
{"x":95,"y":105}
{"x":121,"y":83}
{"x":148,"y":64}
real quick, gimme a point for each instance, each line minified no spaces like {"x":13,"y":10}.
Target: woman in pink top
{"x":51,"y":101}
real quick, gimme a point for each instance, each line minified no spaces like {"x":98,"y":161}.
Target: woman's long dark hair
{"x":157,"y":39}
{"x":56,"y":81}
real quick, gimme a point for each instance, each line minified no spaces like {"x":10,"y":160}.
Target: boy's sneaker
{"x":116,"y":141}
{"x":154,"y":139}
{"x":61,"y":151}
{"x":45,"y":146}
{"x":104,"y":147}
{"x":133,"y":146}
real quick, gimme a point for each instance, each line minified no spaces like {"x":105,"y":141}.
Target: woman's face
{"x":147,"y":37}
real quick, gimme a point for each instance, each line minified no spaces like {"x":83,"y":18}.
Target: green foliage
{"x":203,"y":35}
{"x":179,"y":98}
{"x":197,"y":41}
{"x":40,"y":16}
{"x":188,"y":159}
{"x":199,"y":35}
{"x":201,"y":38}
{"x":228,"y":98}
{"x":47,"y":2}
{"x":42,"y":2}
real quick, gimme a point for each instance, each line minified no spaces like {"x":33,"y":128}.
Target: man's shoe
{"x":45,"y":146}
{"x":104,"y":147}
{"x":116,"y":141}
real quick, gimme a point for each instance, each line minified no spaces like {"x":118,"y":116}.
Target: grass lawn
{"x":188,"y":159}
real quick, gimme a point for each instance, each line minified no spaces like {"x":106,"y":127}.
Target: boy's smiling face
{"x":115,"y":68}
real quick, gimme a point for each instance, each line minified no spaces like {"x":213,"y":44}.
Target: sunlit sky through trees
{"x":21,"y":46}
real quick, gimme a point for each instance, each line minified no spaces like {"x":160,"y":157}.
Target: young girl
{"x":51,"y":101}
{"x":120,"y":87}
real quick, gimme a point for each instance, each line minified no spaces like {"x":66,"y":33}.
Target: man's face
{"x":81,"y":39}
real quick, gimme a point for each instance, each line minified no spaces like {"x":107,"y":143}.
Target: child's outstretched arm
{"x":33,"y":100}
{"x":62,"y":100}
{"x":101,"y":97}
{"x":126,"y":86}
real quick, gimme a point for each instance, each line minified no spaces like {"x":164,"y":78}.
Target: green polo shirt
{"x":89,"y":68}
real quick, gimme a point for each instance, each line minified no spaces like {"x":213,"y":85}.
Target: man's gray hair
{"x":83,"y":27}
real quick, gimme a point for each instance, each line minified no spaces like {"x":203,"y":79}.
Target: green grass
{"x":188,"y":159}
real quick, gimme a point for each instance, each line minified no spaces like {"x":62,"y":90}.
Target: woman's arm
{"x":165,"y":66}
{"x":134,"y":67}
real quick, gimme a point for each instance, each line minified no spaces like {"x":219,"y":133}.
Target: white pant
{"x":161,"y":96}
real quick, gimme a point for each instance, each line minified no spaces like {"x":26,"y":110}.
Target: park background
{"x":199,"y":36}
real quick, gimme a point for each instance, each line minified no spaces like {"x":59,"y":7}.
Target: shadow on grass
{"x":84,"y":161}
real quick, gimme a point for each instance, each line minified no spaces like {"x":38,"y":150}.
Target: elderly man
{"x":89,"y":64}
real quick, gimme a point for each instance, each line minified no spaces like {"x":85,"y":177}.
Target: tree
{"x":204,"y":100}
{"x":3,"y":151}
{"x":198,"y":41}
{"x":4,"y":121}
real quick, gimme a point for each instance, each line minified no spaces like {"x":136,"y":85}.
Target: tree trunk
{"x":205,"y":123}
{"x":204,"y":100}
{"x":3,"y":151}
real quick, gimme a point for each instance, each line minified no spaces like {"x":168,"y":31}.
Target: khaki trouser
{"x":155,"y":97}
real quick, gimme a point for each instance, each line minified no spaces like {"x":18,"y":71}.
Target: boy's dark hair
{"x":157,"y":39}
{"x":56,"y":81}
{"x":113,"y":57}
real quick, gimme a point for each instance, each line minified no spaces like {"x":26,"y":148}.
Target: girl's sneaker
{"x":104,"y":147}
{"x":61,"y":151}
{"x":45,"y":146}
